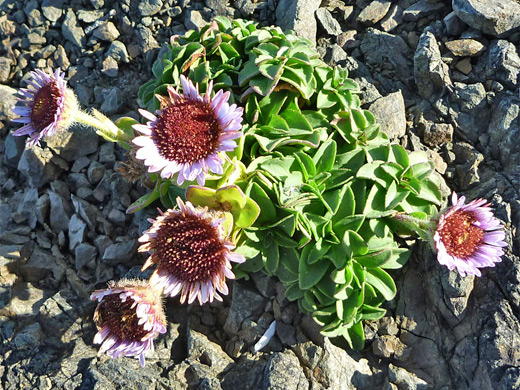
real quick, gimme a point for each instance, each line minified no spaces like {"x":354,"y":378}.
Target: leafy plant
{"x":325,"y":179}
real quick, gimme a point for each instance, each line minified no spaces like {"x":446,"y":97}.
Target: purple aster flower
{"x":47,"y":107}
{"x":188,"y":133}
{"x":469,"y":237}
{"x":129,"y":316}
{"x":191,"y":251}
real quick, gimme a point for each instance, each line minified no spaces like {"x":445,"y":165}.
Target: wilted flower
{"x":129,"y":317}
{"x":469,"y":237}
{"x":188,"y":133}
{"x":48,"y":106}
{"x":193,"y":256}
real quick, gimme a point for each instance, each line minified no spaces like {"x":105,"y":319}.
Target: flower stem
{"x":104,"y":127}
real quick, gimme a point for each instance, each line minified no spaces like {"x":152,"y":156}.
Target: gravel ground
{"x":440,"y":76}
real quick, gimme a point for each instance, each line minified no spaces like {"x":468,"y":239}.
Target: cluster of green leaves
{"x":325,"y":178}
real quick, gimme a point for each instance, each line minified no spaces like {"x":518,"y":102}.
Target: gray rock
{"x":283,"y":371}
{"x":59,"y":220}
{"x":113,"y":100}
{"x":117,"y":217}
{"x":388,"y":346}
{"x":52,"y":9}
{"x":61,"y":59}
{"x":110,"y":68}
{"x":390,"y":114}
{"x":454,"y":26}
{"x":498,"y":18}
{"x":8,"y":97}
{"x":80,"y":164}
{"x":374,"y":11}
{"x":194,"y":20}
{"x":5,"y":69}
{"x":146,"y":39}
{"x":244,"y":302}
{"x":393,"y":18}
{"x":298,"y":16}
{"x":84,"y":254}
{"x":41,"y":266}
{"x":431,"y":73}
{"x":472,"y":118}
{"x":36,"y":166}
{"x":149,"y":7}
{"x":504,"y":131}
{"x":404,"y":379}
{"x":106,"y":32}
{"x":391,"y":51}
{"x":465,"y":47}
{"x":120,"y":252}
{"x":95,"y":172}
{"x":422,"y":9}
{"x":14,"y":147}
{"x":117,"y":50}
{"x":90,"y":16}
{"x":437,"y":134}
{"x":75,"y":142}
{"x":201,"y":348}
{"x":71,"y":30}
{"x":77,"y":230}
{"x":86,"y":211}
{"x":34,"y":16}
{"x":503,"y":64}
{"x":327,"y":22}
{"x":29,"y":337}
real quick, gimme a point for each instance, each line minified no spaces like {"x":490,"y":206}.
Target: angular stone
{"x":71,"y":30}
{"x":117,"y":50}
{"x":374,"y":12}
{"x":106,"y":32}
{"x":283,"y":371}
{"x":41,"y":265}
{"x":194,"y":20}
{"x":327,"y":22}
{"x":149,"y":7}
{"x":431,"y":73}
{"x":120,"y":252}
{"x":422,"y":9}
{"x":393,"y":18}
{"x":503,"y":64}
{"x":298,"y":15}
{"x":110,"y":67}
{"x":86,"y":211}
{"x":36,"y":166}
{"x":8,"y":97}
{"x":390,"y":114}
{"x":244,"y":303}
{"x":52,"y":9}
{"x":465,"y":47}
{"x":29,"y":337}
{"x":84,"y":254}
{"x":77,"y":230}
{"x":76,"y":142}
{"x":498,"y":18}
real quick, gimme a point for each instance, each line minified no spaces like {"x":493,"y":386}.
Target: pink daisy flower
{"x":129,"y":316}
{"x":47,"y":107}
{"x":192,"y":254}
{"x":469,"y":237}
{"x":188,"y":133}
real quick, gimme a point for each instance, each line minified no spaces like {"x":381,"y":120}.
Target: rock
{"x":393,"y":18}
{"x":374,"y":11}
{"x":120,"y":252}
{"x":383,"y":48}
{"x":499,"y":18}
{"x":211,"y":354}
{"x":29,"y":337}
{"x":465,"y":47}
{"x":327,"y":22}
{"x":84,"y":254}
{"x":244,"y":303}
{"x":89,"y":16}
{"x":61,"y":59}
{"x":298,"y":15}
{"x":503,"y":64}
{"x":8,"y":98}
{"x":52,"y":9}
{"x":430,"y":72}
{"x":437,"y":134}
{"x":95,"y":172}
{"x":117,"y":50}
{"x":404,"y":379}
{"x":454,"y":26}
{"x":335,"y":55}
{"x":149,"y":7}
{"x":464,"y":66}
{"x":146,"y":39}
{"x":59,"y":220}
{"x":473,"y":117}
{"x":387,"y":345}
{"x":113,"y":101}
{"x":422,"y":9}
{"x":106,"y":32}
{"x":117,"y":217}
{"x":14,"y":147}
{"x":5,"y":69}
{"x":283,"y":371}
{"x":504,"y":131}
{"x":76,"y":142}
{"x":77,"y":230}
{"x":194,"y":20}
{"x":110,"y":67}
{"x":41,"y":265}
{"x":390,"y":114}
{"x":36,"y":166}
{"x":86,"y":211}
{"x":71,"y":30}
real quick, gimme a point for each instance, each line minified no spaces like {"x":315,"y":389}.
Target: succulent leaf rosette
{"x":325,"y":180}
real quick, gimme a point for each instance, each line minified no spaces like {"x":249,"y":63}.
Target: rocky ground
{"x":441,"y":76}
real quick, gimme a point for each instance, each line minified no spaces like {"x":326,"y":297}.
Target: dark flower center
{"x":121,"y":319}
{"x":186,"y":132}
{"x":460,"y":236}
{"x":189,"y":248}
{"x":45,"y":105}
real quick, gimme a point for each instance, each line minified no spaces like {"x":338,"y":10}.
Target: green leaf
{"x":307,"y":165}
{"x":268,"y":212}
{"x":311,"y":274}
{"x":253,"y":264}
{"x":289,"y":259}
{"x":374,"y":259}
{"x":293,"y":292}
{"x":270,"y":256}
{"x":247,"y":215}
{"x":356,"y":336}
{"x":371,"y":313}
{"x":354,"y":244}
{"x":325,"y":156}
{"x":318,"y":251}
{"x":398,"y":259}
{"x":382,"y":282}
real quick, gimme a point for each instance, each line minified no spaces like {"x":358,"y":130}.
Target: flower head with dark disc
{"x":129,"y":316}
{"x":188,"y":133}
{"x":469,"y":237}
{"x":192,"y":254}
{"x":46,"y":107}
